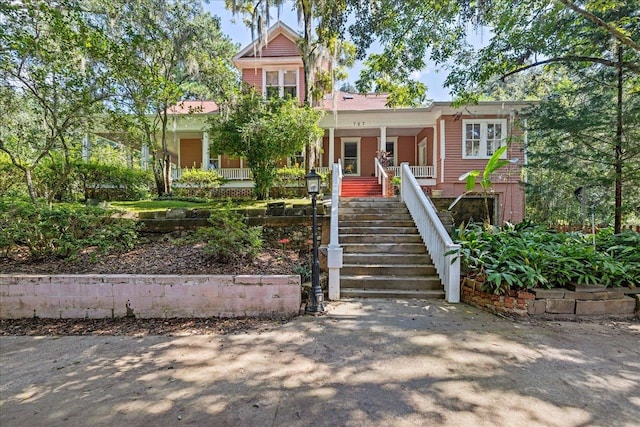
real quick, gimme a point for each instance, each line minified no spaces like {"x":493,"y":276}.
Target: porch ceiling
{"x":339,"y":133}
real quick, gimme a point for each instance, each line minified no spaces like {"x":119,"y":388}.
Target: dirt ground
{"x":156,"y":256}
{"x":364,"y":363}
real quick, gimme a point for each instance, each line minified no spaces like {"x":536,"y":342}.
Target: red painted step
{"x":361,"y":187}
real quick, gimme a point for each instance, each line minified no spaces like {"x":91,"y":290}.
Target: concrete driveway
{"x":365,"y":363}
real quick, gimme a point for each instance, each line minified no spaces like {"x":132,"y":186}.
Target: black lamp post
{"x":316,"y":298}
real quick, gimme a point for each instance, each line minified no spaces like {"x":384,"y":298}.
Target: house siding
{"x":505,"y":182}
{"x":253,"y":76}
{"x":406,"y":149}
{"x":279,"y":46}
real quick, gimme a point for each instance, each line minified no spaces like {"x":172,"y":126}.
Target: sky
{"x":239,"y":33}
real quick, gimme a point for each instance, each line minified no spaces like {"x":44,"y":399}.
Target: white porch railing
{"x":433,"y":234}
{"x":334,"y":251}
{"x":416,"y":171}
{"x":323,"y":169}
{"x":381,"y":175}
{"x":233,"y":174}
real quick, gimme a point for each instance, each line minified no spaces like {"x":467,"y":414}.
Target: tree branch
{"x":606,"y":62}
{"x":596,"y":20}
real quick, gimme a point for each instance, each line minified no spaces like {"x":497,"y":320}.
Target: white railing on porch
{"x":334,"y":251}
{"x":323,"y":170}
{"x":381,"y":175}
{"x":233,"y":174}
{"x":433,"y":234}
{"x":416,"y":171}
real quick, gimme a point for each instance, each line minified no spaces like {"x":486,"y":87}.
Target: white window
{"x":280,"y":83}
{"x":481,"y":138}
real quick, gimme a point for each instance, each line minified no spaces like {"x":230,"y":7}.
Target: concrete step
{"x":378,"y":203}
{"x":364,"y":281}
{"x":376,"y":223}
{"x":396,"y":239}
{"x":382,"y":293}
{"x":381,"y":247}
{"x":386,"y":258}
{"x":388,"y":212}
{"x":377,"y":216}
{"x":375,"y":231}
{"x":395,"y":270}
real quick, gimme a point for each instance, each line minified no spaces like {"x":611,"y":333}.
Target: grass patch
{"x":161,"y":205}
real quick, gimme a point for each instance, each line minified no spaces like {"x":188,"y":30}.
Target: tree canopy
{"x":263,"y":132}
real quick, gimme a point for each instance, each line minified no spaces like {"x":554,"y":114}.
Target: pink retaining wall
{"x":159,"y":296}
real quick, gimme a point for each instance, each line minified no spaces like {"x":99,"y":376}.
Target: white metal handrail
{"x":334,"y":251}
{"x":381,"y":174}
{"x":434,"y":235}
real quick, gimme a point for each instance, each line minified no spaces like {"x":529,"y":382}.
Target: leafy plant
{"x":527,"y":256}
{"x":229,"y":238}
{"x":198,"y":183}
{"x":494,"y":163}
{"x":62,"y":230}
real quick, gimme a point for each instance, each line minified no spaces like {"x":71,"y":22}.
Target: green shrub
{"x":526,"y":256}
{"x":111,"y":182}
{"x":229,"y":239}
{"x":289,"y":182}
{"x":62,"y":230}
{"x":198,"y":183}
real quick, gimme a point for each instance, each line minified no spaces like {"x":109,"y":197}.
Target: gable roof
{"x":279,"y":28}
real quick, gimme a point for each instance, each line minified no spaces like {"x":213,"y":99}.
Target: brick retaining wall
{"x":560,"y":304}
{"x":147,"y":296}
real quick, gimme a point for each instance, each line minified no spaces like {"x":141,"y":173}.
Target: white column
{"x":332,"y":138}
{"x":442,"y":150}
{"x":205,"y":151}
{"x":86,"y":147}
{"x":383,"y":138}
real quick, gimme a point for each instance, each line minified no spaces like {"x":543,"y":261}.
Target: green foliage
{"x":263,"y":132}
{"x":198,"y":183}
{"x":526,"y":256}
{"x":62,"y":230}
{"x":289,"y":182}
{"x":494,"y":163}
{"x":229,"y":239}
{"x":111,"y":182}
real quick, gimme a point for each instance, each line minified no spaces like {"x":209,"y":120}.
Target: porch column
{"x":332,"y":138}
{"x":383,"y":138}
{"x":205,"y":151}
{"x":144,"y":157}
{"x":86,"y":147}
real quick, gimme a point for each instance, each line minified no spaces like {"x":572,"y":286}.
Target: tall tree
{"x":176,"y":51}
{"x":54,"y":79}
{"x":264,"y":131}
{"x":595,"y":35}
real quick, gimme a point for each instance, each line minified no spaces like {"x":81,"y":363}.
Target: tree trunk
{"x":618,"y":147}
{"x":32,"y":190}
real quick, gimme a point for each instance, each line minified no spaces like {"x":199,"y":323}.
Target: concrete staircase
{"x":384,"y":256}
{"x":361,"y":187}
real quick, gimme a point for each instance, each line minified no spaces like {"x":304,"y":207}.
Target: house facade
{"x":438,"y":141}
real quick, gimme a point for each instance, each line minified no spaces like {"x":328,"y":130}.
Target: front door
{"x":351,"y":157}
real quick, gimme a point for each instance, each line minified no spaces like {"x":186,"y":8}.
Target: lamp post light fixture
{"x":315,"y":304}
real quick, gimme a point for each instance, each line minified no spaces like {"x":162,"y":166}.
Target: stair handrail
{"x":381,"y":174}
{"x":334,"y":251}
{"x":438,"y":242}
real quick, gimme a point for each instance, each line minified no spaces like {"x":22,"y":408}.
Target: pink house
{"x":438,"y":141}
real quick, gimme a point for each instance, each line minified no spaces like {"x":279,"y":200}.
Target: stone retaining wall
{"x":561,"y":304}
{"x":147,"y":296}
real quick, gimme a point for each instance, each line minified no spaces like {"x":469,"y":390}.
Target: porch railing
{"x":234,"y":174}
{"x":381,"y":175}
{"x":334,"y":251}
{"x":416,"y":171}
{"x":433,"y":234}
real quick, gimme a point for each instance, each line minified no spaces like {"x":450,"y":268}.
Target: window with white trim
{"x":481,"y":138}
{"x":280,"y":83}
